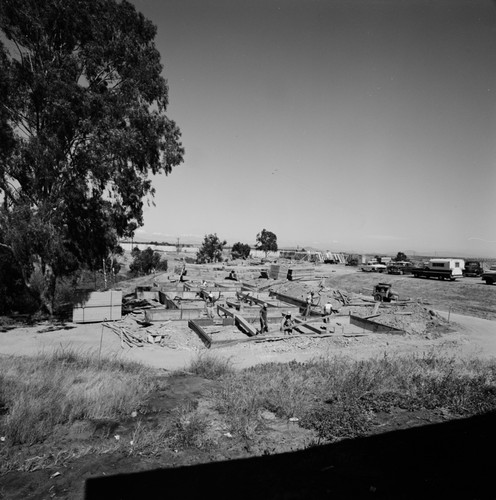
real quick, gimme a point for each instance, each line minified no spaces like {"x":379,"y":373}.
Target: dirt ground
{"x":464,"y":325}
{"x":458,"y":319}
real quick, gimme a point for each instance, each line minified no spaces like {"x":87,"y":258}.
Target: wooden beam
{"x":225,"y":310}
{"x":300,"y":323}
{"x":204,"y":336}
{"x":239,"y":321}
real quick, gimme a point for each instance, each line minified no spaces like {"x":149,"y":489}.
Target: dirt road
{"x":471,"y":337}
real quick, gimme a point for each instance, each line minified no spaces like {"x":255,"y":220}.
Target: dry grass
{"x":209,"y":366}
{"x":51,"y":395}
{"x":337,"y":397}
{"x":187,"y":428}
{"x":41,"y":393}
{"x":48,"y":396}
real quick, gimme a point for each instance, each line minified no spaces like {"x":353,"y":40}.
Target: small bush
{"x":210,"y":367}
{"x":344,"y":418}
{"x":187,"y":428}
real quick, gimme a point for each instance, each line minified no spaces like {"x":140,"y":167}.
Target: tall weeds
{"x":337,"y":397}
{"x":40,"y":393}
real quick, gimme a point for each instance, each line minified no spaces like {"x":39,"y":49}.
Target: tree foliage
{"x":401,"y":257}
{"x":147,"y":262}
{"x":266,"y":241}
{"x":83,"y":126}
{"x":211,"y":249}
{"x":240,"y":250}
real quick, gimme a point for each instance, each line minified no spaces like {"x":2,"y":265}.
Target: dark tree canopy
{"x":211,"y":249}
{"x":401,"y":257}
{"x":240,"y":250}
{"x":83,"y":125}
{"x":266,"y":241}
{"x":146,"y":262}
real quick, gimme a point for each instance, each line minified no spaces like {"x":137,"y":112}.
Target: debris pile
{"x":133,"y":332}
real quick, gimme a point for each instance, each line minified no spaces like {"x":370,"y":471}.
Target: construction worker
{"x":263,"y":319}
{"x":309,"y":304}
{"x":287,"y":324}
{"x":183,"y":271}
{"x":210,"y":302}
{"x":327,"y":311}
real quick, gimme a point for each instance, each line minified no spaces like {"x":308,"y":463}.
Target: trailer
{"x":442,"y":269}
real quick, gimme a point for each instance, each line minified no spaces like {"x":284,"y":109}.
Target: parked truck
{"x":473,"y":268}
{"x":442,"y":269}
{"x":490,"y":276}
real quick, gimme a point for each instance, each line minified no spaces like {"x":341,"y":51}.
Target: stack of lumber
{"x":342,"y":297}
{"x":278,"y":271}
{"x":98,"y":306}
{"x":301,"y":273}
{"x":133,"y":338}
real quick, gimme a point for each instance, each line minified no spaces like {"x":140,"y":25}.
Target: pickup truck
{"x":402,"y":267}
{"x":473,"y":268}
{"x":490,"y":276}
{"x":374,"y":268}
{"x":442,"y":269}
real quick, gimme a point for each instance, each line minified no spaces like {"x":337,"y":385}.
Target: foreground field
{"x":59,"y":432}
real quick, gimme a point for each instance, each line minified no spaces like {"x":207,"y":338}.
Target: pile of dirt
{"x":414,"y":319}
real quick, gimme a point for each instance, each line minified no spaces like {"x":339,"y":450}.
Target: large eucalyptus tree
{"x":83,"y":126}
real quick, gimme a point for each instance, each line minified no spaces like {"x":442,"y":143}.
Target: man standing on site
{"x":327,"y":311}
{"x":263,"y":319}
{"x":309,"y":304}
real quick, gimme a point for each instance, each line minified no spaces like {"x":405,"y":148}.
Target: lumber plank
{"x":239,"y":321}
{"x":204,"y":336}
{"x":300,"y":323}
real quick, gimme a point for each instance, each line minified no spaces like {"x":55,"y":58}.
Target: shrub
{"x":210,"y":367}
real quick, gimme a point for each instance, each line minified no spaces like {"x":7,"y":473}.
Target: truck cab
{"x":473,"y":268}
{"x":399,"y":267}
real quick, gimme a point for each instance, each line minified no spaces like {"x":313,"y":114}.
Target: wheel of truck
{"x":489,"y":281}
{"x":440,"y":277}
{"x":378,"y":297}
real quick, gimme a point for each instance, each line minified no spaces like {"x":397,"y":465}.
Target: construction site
{"x":200,"y":307}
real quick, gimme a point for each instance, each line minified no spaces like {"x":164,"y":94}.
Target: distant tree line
{"x":212,"y":247}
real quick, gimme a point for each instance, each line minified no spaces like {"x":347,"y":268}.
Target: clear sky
{"x":354,"y":125}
